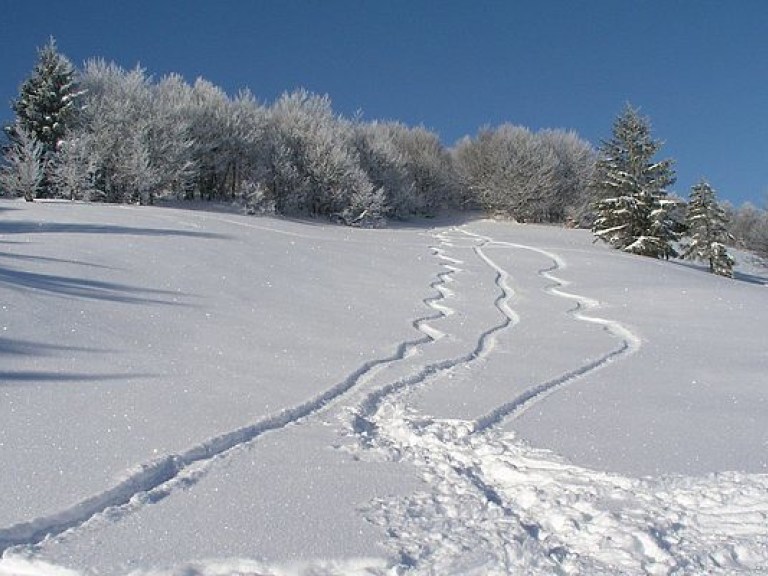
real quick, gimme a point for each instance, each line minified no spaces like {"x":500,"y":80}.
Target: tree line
{"x":102,"y":133}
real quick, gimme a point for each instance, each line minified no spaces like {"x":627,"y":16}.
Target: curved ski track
{"x":629,"y":342}
{"x":486,"y":342}
{"x":154,"y":480}
{"x":479,"y":518}
{"x":494,"y":505}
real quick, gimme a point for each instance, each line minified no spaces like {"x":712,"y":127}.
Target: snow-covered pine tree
{"x":47,"y":100}
{"x":632,"y":208}
{"x":24,"y":165}
{"x":707,"y":226}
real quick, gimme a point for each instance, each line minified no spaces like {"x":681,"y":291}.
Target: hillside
{"x":199,"y":392}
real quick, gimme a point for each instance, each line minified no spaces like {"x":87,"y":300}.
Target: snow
{"x":196,"y":392}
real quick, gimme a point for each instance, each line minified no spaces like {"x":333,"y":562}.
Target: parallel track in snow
{"x":484,"y":346}
{"x":493,"y":504}
{"x":629,"y":342}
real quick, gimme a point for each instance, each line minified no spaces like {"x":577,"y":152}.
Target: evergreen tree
{"x":707,"y":226}
{"x":46,"y":103}
{"x":633,"y":211}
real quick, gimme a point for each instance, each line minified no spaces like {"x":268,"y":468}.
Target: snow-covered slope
{"x":191,"y":392}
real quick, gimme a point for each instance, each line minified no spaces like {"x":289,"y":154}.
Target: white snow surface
{"x":195,"y":392}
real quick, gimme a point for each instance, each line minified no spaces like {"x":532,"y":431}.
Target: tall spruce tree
{"x":47,"y":102}
{"x":632,"y":207}
{"x":707,"y":225}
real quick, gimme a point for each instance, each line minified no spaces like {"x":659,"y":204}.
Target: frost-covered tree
{"x":410,"y":165}
{"x":385,"y":166}
{"x":169,"y":137}
{"x":533,"y":177}
{"x":312,"y":166}
{"x":47,"y":101}
{"x":209,"y":123}
{"x":244,"y":154}
{"x":748,"y":225}
{"x":72,"y":173}
{"x":632,"y":207}
{"x":117,"y":127}
{"x":574,"y":171}
{"x":706,"y":222}
{"x":229,"y":143}
{"x":508,"y":171}
{"x":431,"y":180}
{"x":144,"y":136}
{"x":23,"y":170}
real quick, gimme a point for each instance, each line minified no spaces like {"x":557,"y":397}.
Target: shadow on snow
{"x":12,"y":378}
{"x":83,"y":288}
{"x":10,"y":347}
{"x":29,"y":258}
{"x":31,"y":227}
{"x":751,"y":278}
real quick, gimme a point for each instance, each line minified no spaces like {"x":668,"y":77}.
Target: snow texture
{"x":194,"y":392}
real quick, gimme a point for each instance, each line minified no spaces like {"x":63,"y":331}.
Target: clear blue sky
{"x":698,"y":68}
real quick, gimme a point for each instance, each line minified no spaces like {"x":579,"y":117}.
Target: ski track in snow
{"x":495,"y":505}
{"x":152,"y":481}
{"x":487,"y":339}
{"x":630,"y":342}
{"x":492,"y":504}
